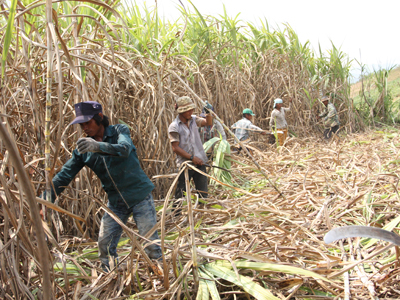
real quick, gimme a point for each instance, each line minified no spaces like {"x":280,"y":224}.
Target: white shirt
{"x":188,"y":138}
{"x":279,"y":117}
{"x":241,"y":127}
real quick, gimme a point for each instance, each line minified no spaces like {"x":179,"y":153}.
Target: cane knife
{"x":361,"y":231}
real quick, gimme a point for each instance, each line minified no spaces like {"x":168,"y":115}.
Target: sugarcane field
{"x":207,"y":158}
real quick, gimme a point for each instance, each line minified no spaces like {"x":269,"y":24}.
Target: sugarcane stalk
{"x":191,"y":225}
{"x":30,"y":197}
{"x":47,"y":166}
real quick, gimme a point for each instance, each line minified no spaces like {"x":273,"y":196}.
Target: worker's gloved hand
{"x":207,"y":108}
{"x":87,"y":145}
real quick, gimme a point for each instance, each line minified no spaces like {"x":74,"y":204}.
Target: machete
{"x":212,"y":166}
{"x":361,"y":231}
{"x":257,"y":130}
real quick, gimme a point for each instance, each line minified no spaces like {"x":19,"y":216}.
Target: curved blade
{"x":361,"y":231}
{"x":212,"y":166}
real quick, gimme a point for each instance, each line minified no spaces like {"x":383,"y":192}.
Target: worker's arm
{"x":254,"y":127}
{"x":272,"y":119}
{"x":290,"y":105}
{"x":67,"y":173}
{"x":220,"y":129}
{"x":324,"y":113}
{"x":122,"y":147}
{"x":331,"y":112}
{"x":179,"y":151}
{"x":205,"y":122}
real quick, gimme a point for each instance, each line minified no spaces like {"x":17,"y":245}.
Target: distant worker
{"x":243,"y":127}
{"x":330,"y":118}
{"x":278,"y":122}
{"x":186,"y":143}
{"x":215,"y":130}
{"x":108,"y":150}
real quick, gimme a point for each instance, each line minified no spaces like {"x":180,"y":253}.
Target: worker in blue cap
{"x":108,"y":150}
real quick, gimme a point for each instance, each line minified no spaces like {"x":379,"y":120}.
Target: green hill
{"x":393,"y":84}
{"x":377,"y":96}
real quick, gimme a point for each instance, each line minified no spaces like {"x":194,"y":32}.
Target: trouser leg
{"x":282,"y":136}
{"x":110,"y":233}
{"x":201,"y":182}
{"x":145,"y":216}
{"x":327,"y":133}
{"x":281,"y":139}
{"x":285,"y":134}
{"x":180,"y":186}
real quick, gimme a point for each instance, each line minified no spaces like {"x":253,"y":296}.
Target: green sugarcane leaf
{"x":8,"y":35}
{"x":270,"y":267}
{"x":202,"y":293}
{"x":211,"y":285}
{"x":251,"y":287}
{"x":207,"y":145}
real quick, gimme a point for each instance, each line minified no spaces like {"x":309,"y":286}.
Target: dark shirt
{"x":117,"y":166}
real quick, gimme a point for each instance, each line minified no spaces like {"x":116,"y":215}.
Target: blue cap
{"x":85,"y":111}
{"x":277,"y":100}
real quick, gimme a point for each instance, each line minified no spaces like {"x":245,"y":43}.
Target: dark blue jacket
{"x":117,"y":166}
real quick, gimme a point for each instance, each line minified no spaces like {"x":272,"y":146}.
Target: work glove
{"x":207,"y":107}
{"x":87,"y":145}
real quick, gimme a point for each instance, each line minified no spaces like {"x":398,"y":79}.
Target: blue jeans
{"x":144,"y":214}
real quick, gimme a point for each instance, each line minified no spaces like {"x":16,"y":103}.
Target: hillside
{"x":394,"y":79}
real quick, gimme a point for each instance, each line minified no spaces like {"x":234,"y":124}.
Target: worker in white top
{"x":278,"y":120}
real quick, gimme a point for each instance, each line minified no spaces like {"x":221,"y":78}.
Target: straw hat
{"x":325,"y":98}
{"x":184,"y":104}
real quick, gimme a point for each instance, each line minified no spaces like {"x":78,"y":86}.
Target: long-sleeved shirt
{"x":330,"y":116}
{"x":241,"y":128}
{"x":208,"y":132}
{"x":188,"y":138}
{"x":278,"y":117}
{"x":117,"y":166}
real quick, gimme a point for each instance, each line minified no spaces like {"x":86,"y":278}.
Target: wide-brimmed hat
{"x":277,"y":100}
{"x":325,"y":98}
{"x":248,"y":111}
{"x":84,"y":111}
{"x":184,"y":104}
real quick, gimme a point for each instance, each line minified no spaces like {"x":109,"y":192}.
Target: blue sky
{"x":365,"y":30}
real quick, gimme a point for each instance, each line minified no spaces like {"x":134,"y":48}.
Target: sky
{"x":367,"y":31}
